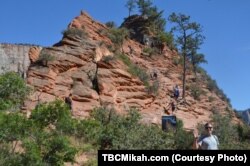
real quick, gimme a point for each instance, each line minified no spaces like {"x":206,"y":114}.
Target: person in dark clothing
{"x":68,"y":100}
{"x":176,"y":92}
{"x":173,"y":106}
{"x":155,"y":75}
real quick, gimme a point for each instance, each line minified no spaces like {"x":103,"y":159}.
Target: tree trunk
{"x":184,"y":76}
{"x":184,"y":67}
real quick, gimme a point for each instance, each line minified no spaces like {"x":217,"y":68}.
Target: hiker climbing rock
{"x":171,"y":106}
{"x":154,"y":75}
{"x":176,"y":92}
{"x":68,"y":100}
{"x":208,"y":141}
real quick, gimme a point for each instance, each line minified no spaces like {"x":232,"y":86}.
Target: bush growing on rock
{"x":118,"y":36}
{"x":73,"y":32}
{"x":196,"y":91}
{"x":125,"y":132}
{"x":134,"y":69}
{"x":44,"y":58}
{"x":13,"y":91}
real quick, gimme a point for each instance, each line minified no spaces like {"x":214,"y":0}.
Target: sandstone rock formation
{"x":78,"y":67}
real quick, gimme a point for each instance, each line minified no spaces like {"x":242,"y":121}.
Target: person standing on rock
{"x":176,"y":92}
{"x":68,"y":101}
{"x":154,"y":75}
{"x":172,"y":106}
{"x":207,"y":141}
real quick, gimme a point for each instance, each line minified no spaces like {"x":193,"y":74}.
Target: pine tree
{"x":189,"y":39}
{"x":131,"y":6}
{"x":144,"y":7}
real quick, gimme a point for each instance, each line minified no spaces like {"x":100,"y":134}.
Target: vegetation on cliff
{"x":51,"y":136}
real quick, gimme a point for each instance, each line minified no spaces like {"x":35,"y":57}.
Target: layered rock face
{"x":79,"y":65}
{"x":16,"y":58}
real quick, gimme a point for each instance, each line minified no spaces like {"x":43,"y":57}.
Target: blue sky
{"x":226,"y":26}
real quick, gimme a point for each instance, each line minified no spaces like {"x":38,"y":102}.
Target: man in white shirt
{"x":207,"y":141}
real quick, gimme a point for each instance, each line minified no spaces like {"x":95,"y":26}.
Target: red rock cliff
{"x":78,"y":68}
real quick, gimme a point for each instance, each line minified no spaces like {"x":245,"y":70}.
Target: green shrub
{"x":117,"y":36}
{"x":214,"y":110}
{"x":148,"y":51}
{"x":6,"y":155}
{"x":47,"y":149}
{"x":125,"y":132}
{"x":202,"y":71}
{"x":211,"y":99}
{"x":44,"y":58}
{"x":134,"y":69}
{"x":110,"y":24}
{"x":226,"y":132}
{"x":58,"y":151}
{"x":211,"y":84}
{"x":229,"y":112}
{"x":175,"y":61}
{"x":91,"y":162}
{"x":244,"y":132}
{"x":88,"y":130}
{"x":101,"y":43}
{"x":111,"y":48}
{"x":107,"y":59}
{"x":153,"y":89}
{"x":13,"y":91}
{"x":167,"y":38}
{"x":73,"y":32}
{"x":40,"y":147}
{"x":183,"y":139}
{"x":55,"y":113}
{"x":13,"y":127}
{"x":140,"y":73}
{"x":196,"y":91}
{"x":125,"y":59}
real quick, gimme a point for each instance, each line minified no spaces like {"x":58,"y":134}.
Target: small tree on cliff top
{"x":131,"y":6}
{"x":144,"y":6}
{"x":155,"y":21}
